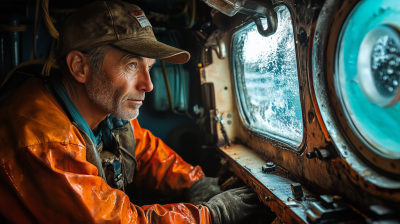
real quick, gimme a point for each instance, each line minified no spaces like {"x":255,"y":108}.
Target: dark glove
{"x":234,"y":206}
{"x":203,"y":190}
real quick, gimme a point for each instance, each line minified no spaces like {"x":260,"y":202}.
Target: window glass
{"x":266,"y":80}
{"x":375,"y":123}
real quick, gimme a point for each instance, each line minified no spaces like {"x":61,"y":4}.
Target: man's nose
{"x":145,"y":83}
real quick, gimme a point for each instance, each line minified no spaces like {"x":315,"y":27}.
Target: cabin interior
{"x":297,"y":99}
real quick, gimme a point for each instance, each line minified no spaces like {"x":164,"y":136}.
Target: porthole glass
{"x":266,"y":80}
{"x":368,"y":74}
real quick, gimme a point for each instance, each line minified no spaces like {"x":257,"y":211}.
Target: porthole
{"x":368,"y":74}
{"x":362,"y":76}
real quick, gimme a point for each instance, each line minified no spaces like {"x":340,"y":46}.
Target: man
{"x":71,"y":141}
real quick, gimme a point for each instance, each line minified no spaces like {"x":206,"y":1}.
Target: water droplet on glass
{"x":390,"y":71}
{"x":395,"y":82}
{"x":385,"y":77}
{"x":390,"y":89}
{"x":393,"y":49}
{"x":270,"y":66}
{"x":392,"y":62}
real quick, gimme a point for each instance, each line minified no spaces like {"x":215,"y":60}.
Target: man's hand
{"x":203,"y":190}
{"x":234,"y":206}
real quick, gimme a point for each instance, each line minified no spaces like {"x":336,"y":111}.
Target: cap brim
{"x":151,"y":48}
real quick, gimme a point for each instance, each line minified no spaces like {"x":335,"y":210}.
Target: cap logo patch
{"x":141,"y":18}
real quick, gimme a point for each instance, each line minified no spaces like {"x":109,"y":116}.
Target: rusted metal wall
{"x":345,"y":175}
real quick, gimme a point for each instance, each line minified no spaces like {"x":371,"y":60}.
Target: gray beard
{"x":100,"y":91}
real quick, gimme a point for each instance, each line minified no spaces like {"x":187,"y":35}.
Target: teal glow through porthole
{"x":368,"y":72}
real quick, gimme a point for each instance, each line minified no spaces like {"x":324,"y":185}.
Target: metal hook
{"x":220,"y":48}
{"x":262,"y":9}
{"x":272,"y":22}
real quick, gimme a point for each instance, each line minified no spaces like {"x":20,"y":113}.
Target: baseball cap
{"x":120,"y":24}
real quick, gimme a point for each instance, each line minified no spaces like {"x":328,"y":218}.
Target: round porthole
{"x":366,"y":78}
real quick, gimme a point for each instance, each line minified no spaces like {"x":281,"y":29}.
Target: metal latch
{"x":322,"y":154}
{"x":220,"y":119}
{"x":330,"y":210}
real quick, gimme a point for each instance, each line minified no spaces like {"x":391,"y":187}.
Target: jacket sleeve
{"x":159,"y":167}
{"x":53,"y":183}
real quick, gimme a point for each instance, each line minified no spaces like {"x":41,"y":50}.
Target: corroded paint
{"x":358,"y":184}
{"x":277,"y":185}
{"x":218,"y":73}
{"x":311,"y":85}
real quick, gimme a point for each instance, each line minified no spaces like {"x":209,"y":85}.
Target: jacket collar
{"x":73,"y":112}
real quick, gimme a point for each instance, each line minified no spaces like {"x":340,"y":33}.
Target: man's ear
{"x":78,"y":66}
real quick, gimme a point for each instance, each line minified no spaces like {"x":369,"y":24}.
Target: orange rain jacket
{"x":45,"y":178}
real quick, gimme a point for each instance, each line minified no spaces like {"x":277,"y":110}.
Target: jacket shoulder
{"x":31,"y":116}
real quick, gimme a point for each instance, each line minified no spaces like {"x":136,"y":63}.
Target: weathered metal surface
{"x":341,"y":175}
{"x":218,"y":73}
{"x":332,"y":209}
{"x":274,"y":188}
{"x":311,"y":85}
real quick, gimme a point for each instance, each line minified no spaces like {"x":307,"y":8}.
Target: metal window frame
{"x":273,"y":139}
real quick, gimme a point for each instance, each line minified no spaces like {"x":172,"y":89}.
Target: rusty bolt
{"x":297,"y":190}
{"x":311,"y":116}
{"x":311,"y":155}
{"x":268,"y":198}
{"x":324,"y":154}
{"x":321,"y":153}
{"x":268,"y":167}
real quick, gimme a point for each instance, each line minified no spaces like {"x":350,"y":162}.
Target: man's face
{"x":120,"y":87}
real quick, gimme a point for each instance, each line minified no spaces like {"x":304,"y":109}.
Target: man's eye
{"x":133,"y":65}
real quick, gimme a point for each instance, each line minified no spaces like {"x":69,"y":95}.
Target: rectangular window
{"x":266,"y":80}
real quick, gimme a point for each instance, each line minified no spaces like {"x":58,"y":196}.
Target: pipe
{"x":192,"y":16}
{"x":164,"y":70}
{"x":2,"y":74}
{"x":47,"y":20}
{"x":36,"y":29}
{"x":14,"y":37}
